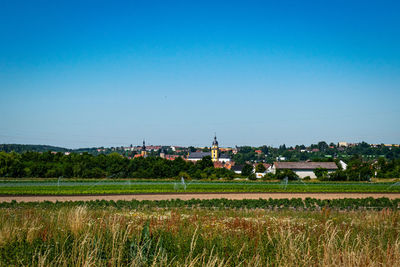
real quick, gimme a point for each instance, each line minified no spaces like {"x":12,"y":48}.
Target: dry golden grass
{"x":171,"y":237}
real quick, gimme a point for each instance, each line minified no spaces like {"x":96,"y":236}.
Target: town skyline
{"x":159,"y":146}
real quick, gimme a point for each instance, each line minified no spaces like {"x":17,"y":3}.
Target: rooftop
{"x":305,"y":165}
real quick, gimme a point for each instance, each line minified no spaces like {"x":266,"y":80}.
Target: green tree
{"x":286,"y":173}
{"x":260,"y":168}
{"x":252,"y":177}
{"x":321,"y":173}
{"x":247,"y":170}
{"x":205,"y":162}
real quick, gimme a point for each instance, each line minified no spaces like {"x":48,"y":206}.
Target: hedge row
{"x":296,"y":203}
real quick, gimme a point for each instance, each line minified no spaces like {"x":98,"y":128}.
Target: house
{"x":304,"y":169}
{"x":237,"y":169}
{"x":195,"y":156}
{"x":171,"y":157}
{"x":218,"y":164}
{"x":227,"y":165}
{"x":343,"y":144}
{"x":261,"y":174}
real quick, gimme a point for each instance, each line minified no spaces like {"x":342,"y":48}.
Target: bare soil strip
{"x":198,"y":196}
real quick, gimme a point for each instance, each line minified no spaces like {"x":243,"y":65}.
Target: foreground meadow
{"x":149,"y":235}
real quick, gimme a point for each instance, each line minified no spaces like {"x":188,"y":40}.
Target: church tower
{"x":214,"y":150}
{"x":144,"y":152}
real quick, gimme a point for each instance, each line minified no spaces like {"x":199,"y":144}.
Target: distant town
{"x":301,"y":161}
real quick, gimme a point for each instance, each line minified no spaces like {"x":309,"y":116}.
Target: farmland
{"x":107,"y":186}
{"x":219,"y":232}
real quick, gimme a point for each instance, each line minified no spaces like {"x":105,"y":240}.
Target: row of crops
{"x":132,"y":187}
{"x":294,"y":203}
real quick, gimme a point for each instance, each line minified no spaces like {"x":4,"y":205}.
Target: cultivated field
{"x":201,"y":233}
{"x":107,"y":186}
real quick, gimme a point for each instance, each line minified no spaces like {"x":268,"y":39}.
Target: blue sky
{"x":110,"y":73}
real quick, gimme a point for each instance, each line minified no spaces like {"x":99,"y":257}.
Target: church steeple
{"x":215,"y":143}
{"x":144,"y":152}
{"x":214,"y":149}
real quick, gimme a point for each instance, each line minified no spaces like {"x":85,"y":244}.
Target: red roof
{"x":266,"y":165}
{"x":171,"y":157}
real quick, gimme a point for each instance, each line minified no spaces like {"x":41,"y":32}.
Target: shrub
{"x":260,"y":167}
{"x":321,"y":173}
{"x":338,"y":175}
{"x":282,"y":174}
{"x":252,"y":177}
{"x":268,"y":176}
{"x":247,"y":170}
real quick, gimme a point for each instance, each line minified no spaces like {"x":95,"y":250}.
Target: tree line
{"x":85,"y":165}
{"x":322,"y":150}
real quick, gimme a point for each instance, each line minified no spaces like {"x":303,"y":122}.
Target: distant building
{"x":303,"y":169}
{"x":143,"y":152}
{"x":227,"y":165}
{"x":343,"y":164}
{"x":214,"y":150}
{"x":261,"y":174}
{"x":237,"y":169}
{"x":195,"y":156}
{"x":215,"y":154}
{"x":172,"y":157}
{"x":343,"y":144}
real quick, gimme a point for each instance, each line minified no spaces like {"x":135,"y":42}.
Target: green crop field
{"x":91,"y":186}
{"x":311,"y":232}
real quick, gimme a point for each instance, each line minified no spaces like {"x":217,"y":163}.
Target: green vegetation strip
{"x":125,"y":187}
{"x":296,"y":203}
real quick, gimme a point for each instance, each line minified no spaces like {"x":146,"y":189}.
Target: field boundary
{"x":188,"y":196}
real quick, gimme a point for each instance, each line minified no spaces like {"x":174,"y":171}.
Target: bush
{"x":252,"y":177}
{"x":338,"y":175}
{"x":185,"y":175}
{"x":321,"y":173}
{"x":282,"y":174}
{"x":247,"y":170}
{"x":268,"y":176}
{"x":260,"y":168}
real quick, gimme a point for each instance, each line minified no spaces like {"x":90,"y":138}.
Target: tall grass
{"x":82,"y":236}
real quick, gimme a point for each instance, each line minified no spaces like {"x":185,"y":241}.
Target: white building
{"x":195,"y":156}
{"x":304,"y":169}
{"x":343,"y":164}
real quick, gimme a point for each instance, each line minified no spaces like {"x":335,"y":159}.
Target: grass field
{"x":179,"y":234}
{"x":91,"y":186}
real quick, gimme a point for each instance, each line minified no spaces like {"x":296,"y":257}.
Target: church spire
{"x":144,"y":152}
{"x":215,"y":143}
{"x":215,"y":149}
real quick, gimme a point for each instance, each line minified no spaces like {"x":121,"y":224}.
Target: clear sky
{"x":110,"y":73}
